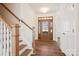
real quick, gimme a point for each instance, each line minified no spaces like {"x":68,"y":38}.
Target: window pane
{"x":45,"y":27}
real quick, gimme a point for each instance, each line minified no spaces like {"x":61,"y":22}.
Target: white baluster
{"x":7,"y":42}
{"x":10,"y":43}
{"x":4,"y":33}
{"x":1,"y":39}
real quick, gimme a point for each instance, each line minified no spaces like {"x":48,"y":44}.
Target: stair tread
{"x":22,"y":46}
{"x":20,"y":40}
{"x":26,"y":52}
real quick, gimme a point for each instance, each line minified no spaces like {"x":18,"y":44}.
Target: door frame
{"x":45,"y":19}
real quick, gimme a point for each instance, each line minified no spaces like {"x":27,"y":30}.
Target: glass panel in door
{"x":45,"y":27}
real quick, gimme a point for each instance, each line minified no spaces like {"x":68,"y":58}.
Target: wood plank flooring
{"x":50,"y":48}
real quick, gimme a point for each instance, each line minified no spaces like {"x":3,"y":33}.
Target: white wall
{"x":65,"y":29}
{"x":77,"y":30}
{"x":26,"y":35}
{"x":28,"y":16}
{"x":15,"y":8}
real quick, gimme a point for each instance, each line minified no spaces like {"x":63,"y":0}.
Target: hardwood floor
{"x":50,"y":48}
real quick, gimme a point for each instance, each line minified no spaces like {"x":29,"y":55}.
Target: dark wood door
{"x":45,"y":28}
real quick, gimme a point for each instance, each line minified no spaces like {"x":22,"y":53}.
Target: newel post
{"x":33,"y":42}
{"x":15,"y":42}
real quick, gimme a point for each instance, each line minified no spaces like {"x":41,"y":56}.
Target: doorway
{"x":45,"y":28}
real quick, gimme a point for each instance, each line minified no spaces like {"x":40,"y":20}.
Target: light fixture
{"x":44,"y":9}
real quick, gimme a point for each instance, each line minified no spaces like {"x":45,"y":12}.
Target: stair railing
{"x":5,"y":39}
{"x":15,"y":32}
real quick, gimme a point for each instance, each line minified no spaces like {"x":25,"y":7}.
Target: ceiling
{"x":54,"y":7}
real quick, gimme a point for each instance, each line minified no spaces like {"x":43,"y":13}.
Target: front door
{"x":45,"y":28}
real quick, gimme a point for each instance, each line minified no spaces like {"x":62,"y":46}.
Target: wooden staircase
{"x":12,"y":45}
{"x":26,"y":52}
{"x":23,"y":49}
{"x":18,"y":47}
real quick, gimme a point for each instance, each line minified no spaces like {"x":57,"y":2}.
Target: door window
{"x":45,"y":27}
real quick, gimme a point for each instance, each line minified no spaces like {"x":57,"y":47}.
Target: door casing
{"x":41,"y":35}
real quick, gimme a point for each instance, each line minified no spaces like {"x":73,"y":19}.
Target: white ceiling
{"x":54,"y":7}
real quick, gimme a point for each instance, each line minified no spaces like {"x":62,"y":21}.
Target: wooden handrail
{"x":26,"y":24}
{"x":15,"y":16}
